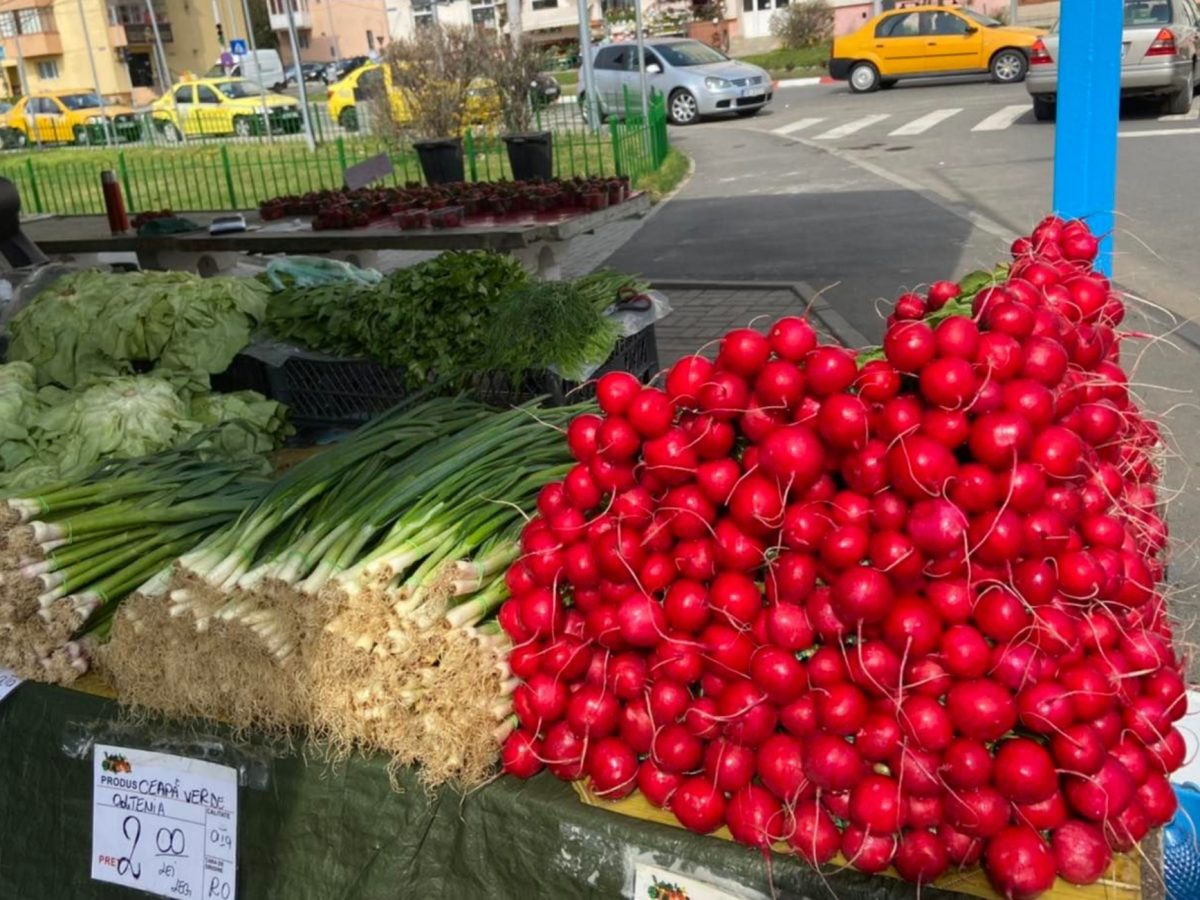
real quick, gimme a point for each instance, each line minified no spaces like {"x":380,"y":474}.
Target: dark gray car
{"x":696,"y":79}
{"x":1158,"y":56}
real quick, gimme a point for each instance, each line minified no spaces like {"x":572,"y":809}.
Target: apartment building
{"x":546,"y":21}
{"x":330,"y":29}
{"x":45,"y":48}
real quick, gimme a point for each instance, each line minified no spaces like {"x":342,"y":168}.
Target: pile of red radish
{"x":900,"y":605}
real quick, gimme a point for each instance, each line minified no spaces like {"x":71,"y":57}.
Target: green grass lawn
{"x":668,"y":177}
{"x":800,"y":63}
{"x":568,"y":79}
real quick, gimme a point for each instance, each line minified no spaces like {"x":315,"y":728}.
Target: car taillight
{"x":1164,"y":44}
{"x":1038,"y":56}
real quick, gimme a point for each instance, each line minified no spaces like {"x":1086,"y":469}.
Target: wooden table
{"x":540,"y":242}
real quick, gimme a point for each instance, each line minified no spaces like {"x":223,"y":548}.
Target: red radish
{"x":962,"y":850}
{"x":909,"y":346}
{"x":829,"y":370}
{"x":1101,"y":796}
{"x":814,"y":837}
{"x":794,"y":455}
{"x":712,"y":439}
{"x":937,"y":526}
{"x":980,"y":812}
{"x":917,"y":770}
{"x":717,"y":479}
{"x":593,"y":712}
{"x":1044,"y":815}
{"x":1157,"y":800}
{"x":1019,"y":863}
{"x":998,"y":438}
{"x":698,"y":805}
{"x":878,"y":737}
{"x":926,"y":722}
{"x":920,"y":857}
{"x":912,"y":626}
{"x":1044,"y":708}
{"x":743,"y":351}
{"x":921,"y":812}
{"x":875,"y":804}
{"x":788,"y":627}
{"x":756,"y":818}
{"x":981,"y":709}
{"x":920,"y":467}
{"x":728,"y":765}
{"x":842,"y":422}
{"x":877,"y":381}
{"x":1081,"y":854}
{"x":965,"y":652}
{"x":957,"y":336}
{"x":521,"y":754}
{"x":867,"y":852}
{"x":676,"y":749}
{"x":615,"y":391}
{"x":778,"y":673}
{"x":1000,"y":614}
{"x":1078,"y":749}
{"x":948,"y":382}
{"x":656,"y":785}
{"x":686,"y":377}
{"x":966,"y":764}
{"x":792,"y":338}
{"x":831,"y":763}
{"x":1024,"y":771}
{"x":749,"y":719}
{"x":779,"y":385}
{"x":563,"y":752}
{"x":942,"y":292}
{"x":841,"y":708}
{"x":651,"y":412}
{"x":1126,"y":830}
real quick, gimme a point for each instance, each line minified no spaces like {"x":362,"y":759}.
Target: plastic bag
{"x":308,"y":271}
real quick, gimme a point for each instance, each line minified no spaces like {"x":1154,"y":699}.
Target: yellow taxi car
{"x":915,"y":41}
{"x":68,"y":117}
{"x":374,"y":80}
{"x":209,"y":107}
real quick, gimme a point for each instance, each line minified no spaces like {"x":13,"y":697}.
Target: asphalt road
{"x":861,"y":197}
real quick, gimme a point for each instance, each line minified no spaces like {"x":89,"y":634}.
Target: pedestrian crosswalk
{"x":941,"y":121}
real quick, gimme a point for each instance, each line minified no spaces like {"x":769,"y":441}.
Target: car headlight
{"x":715,"y":84}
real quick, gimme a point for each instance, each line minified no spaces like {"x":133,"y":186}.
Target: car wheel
{"x":682,"y":108}
{"x":242,"y":127}
{"x":1009,"y":66}
{"x":749,"y":113}
{"x":82,"y":138}
{"x":348,"y":119}
{"x":1180,"y":102}
{"x":21,"y":139}
{"x":1043,"y":109}
{"x":864,"y":78}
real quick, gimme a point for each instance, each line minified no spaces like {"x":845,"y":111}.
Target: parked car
{"x":69,"y":117}
{"x":697,"y":80}
{"x":340,"y":68}
{"x":916,"y":42}
{"x":1158,"y":57}
{"x":314,"y":71}
{"x":373,"y":81}
{"x":223,"y":106}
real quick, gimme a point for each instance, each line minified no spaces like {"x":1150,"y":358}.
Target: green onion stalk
{"x":71,"y":551}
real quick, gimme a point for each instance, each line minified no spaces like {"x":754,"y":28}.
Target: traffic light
{"x":220,"y":34}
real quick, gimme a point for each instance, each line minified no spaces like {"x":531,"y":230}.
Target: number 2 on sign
{"x":125,"y":865}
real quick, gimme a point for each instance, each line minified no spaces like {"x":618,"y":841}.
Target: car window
{"x":690,"y":53}
{"x":981,"y":19}
{"x":184,"y":95}
{"x":205,"y":94}
{"x":239,"y":90}
{"x":613,"y":58}
{"x":370,"y":79}
{"x":652,"y":60}
{"x":942,"y":23}
{"x":903,"y":25}
{"x":79,"y":101}
{"x":1147,"y":12}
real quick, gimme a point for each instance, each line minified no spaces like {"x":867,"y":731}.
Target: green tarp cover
{"x":319,"y":833}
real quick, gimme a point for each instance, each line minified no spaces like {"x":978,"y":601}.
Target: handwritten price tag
{"x":164,"y":824}
{"x":8,"y":683}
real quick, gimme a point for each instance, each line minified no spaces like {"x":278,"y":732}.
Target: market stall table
{"x":540,"y":242}
{"x":308,"y":830}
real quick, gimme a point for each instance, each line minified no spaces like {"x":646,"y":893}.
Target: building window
{"x":302,"y":38}
{"x":485,"y":15}
{"x":8,"y":25}
{"x":370,"y":40}
{"x":47,"y":70}
{"x":545,"y":4}
{"x":422,"y":20}
{"x":35,"y":21}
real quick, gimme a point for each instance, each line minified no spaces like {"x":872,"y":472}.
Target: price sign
{"x":164,"y":824}
{"x":8,"y":683}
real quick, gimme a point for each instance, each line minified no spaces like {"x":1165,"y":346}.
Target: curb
{"x":803,"y":82}
{"x":810,"y":300}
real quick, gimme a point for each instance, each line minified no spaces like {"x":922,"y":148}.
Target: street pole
{"x":87,"y":42}
{"x":31,"y":119}
{"x":1085,"y":138}
{"x":514,"y":22}
{"x":641,"y":45}
{"x":1014,"y":8}
{"x":163,"y":68}
{"x":291,"y":19}
{"x":262,"y":88}
{"x":589,"y":75}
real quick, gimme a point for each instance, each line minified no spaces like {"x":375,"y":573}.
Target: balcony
{"x":279,"y":20}
{"x":33,"y":46}
{"x":144,"y":34}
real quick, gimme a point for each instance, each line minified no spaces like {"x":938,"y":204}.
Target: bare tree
{"x":513,"y":67}
{"x":433,"y":71}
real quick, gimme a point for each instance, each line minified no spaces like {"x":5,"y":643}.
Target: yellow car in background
{"x":373,"y":80}
{"x":68,"y":117}
{"x":210,"y":107}
{"x":919,"y":41}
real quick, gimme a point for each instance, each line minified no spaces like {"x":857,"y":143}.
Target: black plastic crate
{"x":321,"y":390}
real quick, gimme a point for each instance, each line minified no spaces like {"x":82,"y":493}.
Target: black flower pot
{"x":441,"y":160}
{"x":531,"y":155}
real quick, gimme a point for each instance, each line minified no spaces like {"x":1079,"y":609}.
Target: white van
{"x":262,"y":67}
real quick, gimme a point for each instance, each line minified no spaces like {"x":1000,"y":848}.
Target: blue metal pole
{"x":1089,"y":93}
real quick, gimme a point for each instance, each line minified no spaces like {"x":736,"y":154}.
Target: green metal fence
{"x":230,"y":176}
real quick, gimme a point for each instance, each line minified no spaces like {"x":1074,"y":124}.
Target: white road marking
{"x":923,"y":124}
{"x":1191,"y":115}
{"x":798,"y":125}
{"x":1159,"y":132}
{"x":1002,"y":118}
{"x":851,"y":127}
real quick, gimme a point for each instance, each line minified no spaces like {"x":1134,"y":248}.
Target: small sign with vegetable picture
{"x":654,"y":883}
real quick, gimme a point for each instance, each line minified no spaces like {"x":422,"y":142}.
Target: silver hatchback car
{"x":696,"y":79}
{"x":1158,"y":53}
